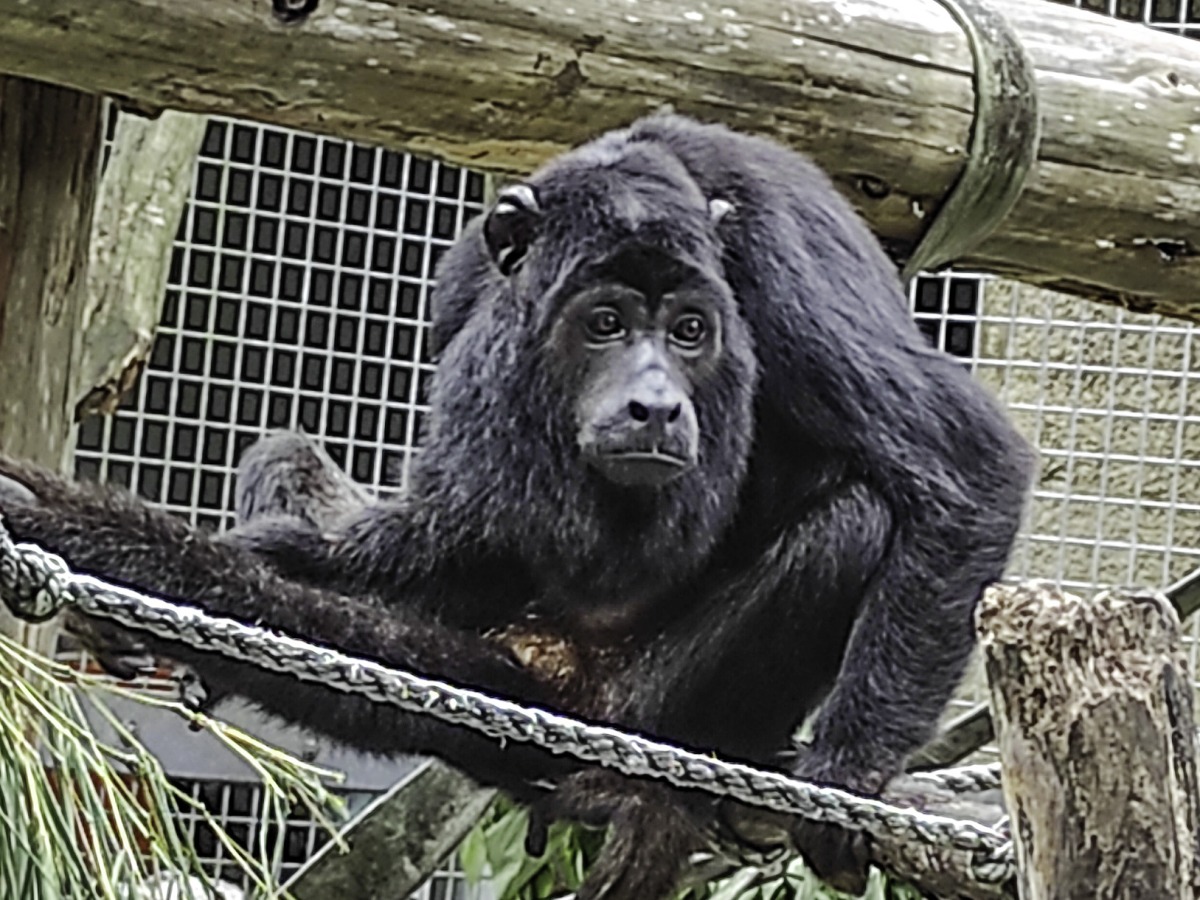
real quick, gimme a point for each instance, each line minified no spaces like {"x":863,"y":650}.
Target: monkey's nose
{"x":655,"y":412}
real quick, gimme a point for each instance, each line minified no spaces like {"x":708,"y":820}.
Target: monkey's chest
{"x":576,"y":653}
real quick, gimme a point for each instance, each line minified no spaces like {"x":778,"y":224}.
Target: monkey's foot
{"x":840,"y":857}
{"x":30,"y":589}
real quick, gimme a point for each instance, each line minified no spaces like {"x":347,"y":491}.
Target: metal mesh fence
{"x":297,"y":298}
{"x":1111,"y":400}
{"x":1178,"y":16}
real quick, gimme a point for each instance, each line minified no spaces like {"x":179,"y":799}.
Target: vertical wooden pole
{"x":1093,"y":709}
{"x":145,"y":188}
{"x":50,"y":141}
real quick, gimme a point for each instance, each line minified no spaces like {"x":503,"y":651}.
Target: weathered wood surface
{"x":50,"y":142}
{"x":146,"y":184}
{"x":879,"y":91}
{"x":1094,"y":713}
{"x":394,"y":845}
{"x":972,"y":730}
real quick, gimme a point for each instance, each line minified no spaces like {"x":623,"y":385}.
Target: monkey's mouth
{"x":641,"y":468}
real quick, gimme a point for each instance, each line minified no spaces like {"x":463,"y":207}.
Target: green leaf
{"x":472,"y":855}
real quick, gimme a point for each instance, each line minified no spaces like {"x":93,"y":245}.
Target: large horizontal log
{"x":878,"y":91}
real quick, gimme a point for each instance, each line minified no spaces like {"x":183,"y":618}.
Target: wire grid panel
{"x":238,"y":808}
{"x":946,"y":309}
{"x":297,"y":298}
{"x":1177,"y":16}
{"x":1112,"y":400}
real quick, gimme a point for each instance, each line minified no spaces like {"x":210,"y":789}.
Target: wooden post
{"x":395,"y":844}
{"x":50,"y":140}
{"x":1093,"y":709}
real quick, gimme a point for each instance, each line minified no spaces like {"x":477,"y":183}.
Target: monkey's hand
{"x":841,"y":857}
{"x":652,"y":831}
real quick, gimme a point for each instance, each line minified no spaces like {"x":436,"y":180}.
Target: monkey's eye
{"x":604,"y":324}
{"x":689,"y":330}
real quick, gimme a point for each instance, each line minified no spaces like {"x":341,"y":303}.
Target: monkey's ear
{"x":511,"y":226}
{"x":718,"y":209}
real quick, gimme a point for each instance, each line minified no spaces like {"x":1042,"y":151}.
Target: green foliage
{"x":495,"y":849}
{"x":84,"y":819}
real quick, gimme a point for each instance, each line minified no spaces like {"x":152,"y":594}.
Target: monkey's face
{"x":648,"y":369}
{"x":631,"y":351}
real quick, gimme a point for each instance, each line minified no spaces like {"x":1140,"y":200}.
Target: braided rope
{"x":36,"y":584}
{"x":985,"y":777}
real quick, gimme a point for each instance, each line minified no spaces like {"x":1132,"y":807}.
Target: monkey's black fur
{"x":821,"y":527}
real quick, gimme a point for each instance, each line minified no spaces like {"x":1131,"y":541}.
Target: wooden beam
{"x":393,"y":846}
{"x":878,"y":91}
{"x":50,"y":142}
{"x":1094,"y":712}
{"x":146,"y":184}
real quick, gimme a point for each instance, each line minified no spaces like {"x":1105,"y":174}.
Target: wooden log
{"x":970,"y":731}
{"x":1093,"y":708}
{"x":393,"y":846}
{"x":878,"y":91}
{"x":50,"y":140}
{"x":959,"y":738}
{"x":146,"y":184}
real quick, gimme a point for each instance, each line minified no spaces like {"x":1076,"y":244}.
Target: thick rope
{"x":985,"y":777}
{"x":36,"y":584}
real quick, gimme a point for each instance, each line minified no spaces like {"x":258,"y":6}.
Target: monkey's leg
{"x":290,"y":493}
{"x":746,"y":664}
{"x":289,"y":474}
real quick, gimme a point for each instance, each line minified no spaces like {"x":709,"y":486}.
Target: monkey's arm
{"x":114,"y":536}
{"x":909,"y":648}
{"x":304,"y":516}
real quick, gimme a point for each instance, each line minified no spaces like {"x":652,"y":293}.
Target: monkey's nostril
{"x":639,"y":412}
{"x":675,"y":411}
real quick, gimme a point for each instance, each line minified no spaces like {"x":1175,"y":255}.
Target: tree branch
{"x":878,"y":91}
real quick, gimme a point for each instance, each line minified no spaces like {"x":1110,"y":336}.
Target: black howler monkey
{"x":691,"y":470}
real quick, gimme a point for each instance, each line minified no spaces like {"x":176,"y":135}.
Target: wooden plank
{"x":50,"y":140}
{"x":146,"y":184}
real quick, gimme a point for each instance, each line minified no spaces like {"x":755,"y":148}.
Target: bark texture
{"x":1094,"y":713}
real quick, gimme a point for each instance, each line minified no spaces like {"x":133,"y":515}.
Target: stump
{"x":1093,"y":709}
